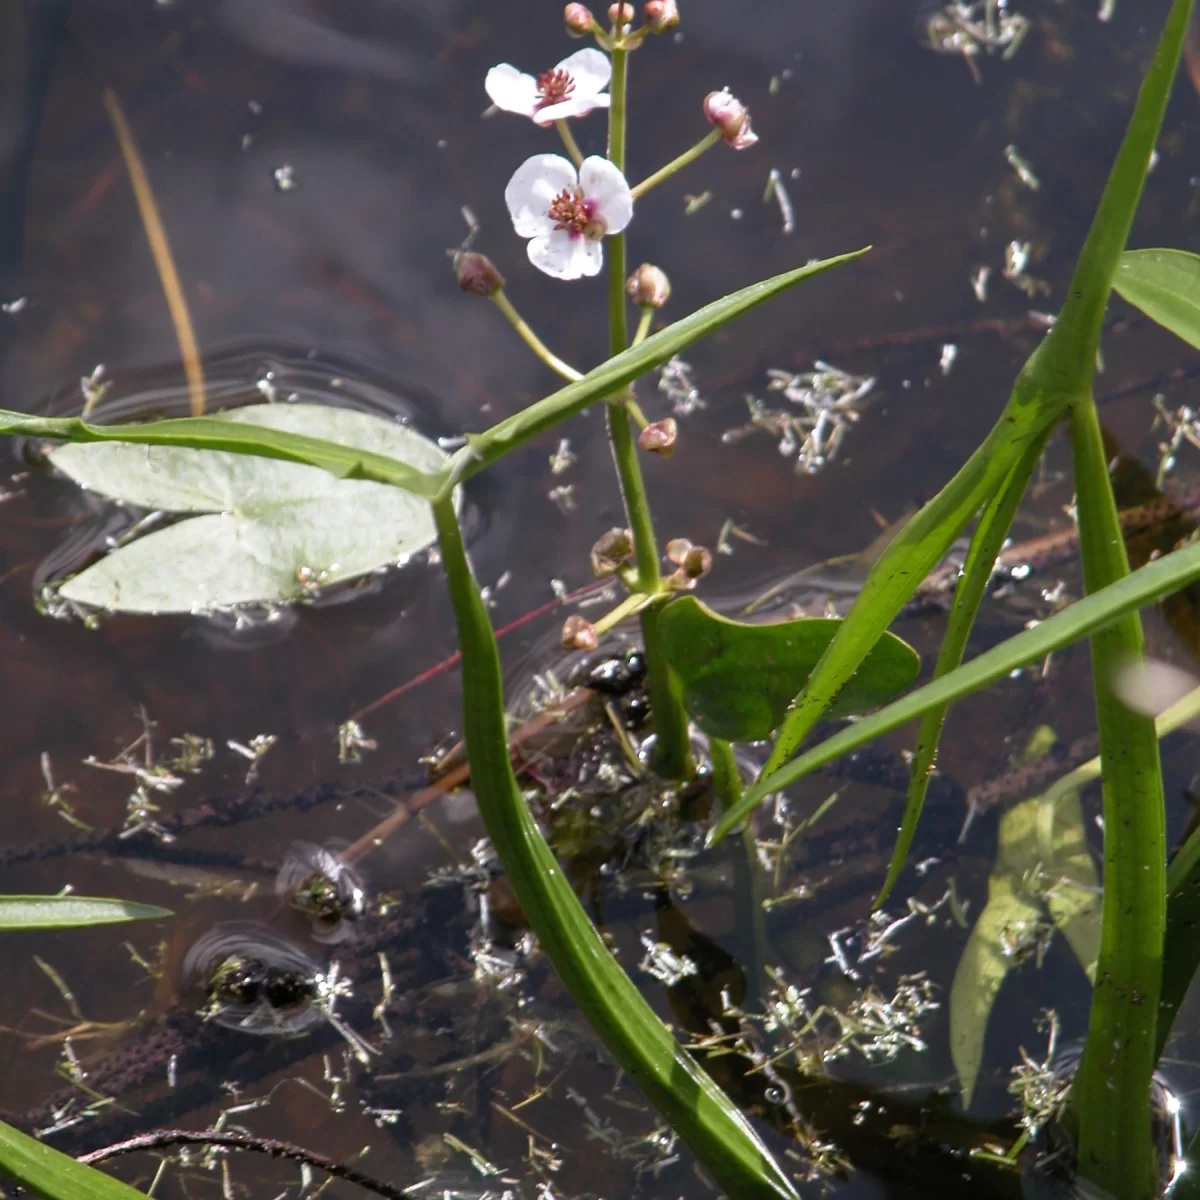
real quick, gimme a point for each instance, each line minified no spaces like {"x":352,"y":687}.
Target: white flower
{"x":572,"y":89}
{"x":567,"y":214}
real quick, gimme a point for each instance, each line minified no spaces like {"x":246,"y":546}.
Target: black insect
{"x":617,"y":675}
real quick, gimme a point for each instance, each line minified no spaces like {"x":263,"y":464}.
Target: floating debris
{"x":1016,"y":259}
{"x":563,"y":459}
{"x":285,"y":178}
{"x":776,"y":189}
{"x":979,"y":282}
{"x":1023,"y":169}
{"x":259,"y":745}
{"x":352,"y":742}
{"x":325,"y":889}
{"x":973,"y":28}
{"x":949,"y":354}
{"x":12,"y":307}
{"x":676,"y":383}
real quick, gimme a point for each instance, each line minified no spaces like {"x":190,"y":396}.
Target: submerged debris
{"x":974,"y":27}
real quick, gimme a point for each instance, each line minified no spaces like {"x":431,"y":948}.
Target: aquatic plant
{"x":568,"y":212}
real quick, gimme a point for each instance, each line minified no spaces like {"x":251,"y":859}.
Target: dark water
{"x":376,"y":108}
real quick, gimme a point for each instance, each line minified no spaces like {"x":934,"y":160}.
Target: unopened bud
{"x":578,"y":20}
{"x":613,"y":551}
{"x":693,"y":562}
{"x":648,"y":286}
{"x":677,"y":550}
{"x":661,"y":15}
{"x":659,"y":437}
{"x":477,"y":273}
{"x":621,"y":15}
{"x":578,"y":634}
{"x":731,"y":117}
{"x":697,"y":562}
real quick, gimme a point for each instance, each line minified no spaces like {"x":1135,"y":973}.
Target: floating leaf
{"x":69,"y":912}
{"x":1042,"y":864}
{"x":1165,"y":285}
{"x":283,"y":528}
{"x":739,"y":678}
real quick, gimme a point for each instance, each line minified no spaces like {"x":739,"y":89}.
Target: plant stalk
{"x":531,"y":339}
{"x":677,"y":164}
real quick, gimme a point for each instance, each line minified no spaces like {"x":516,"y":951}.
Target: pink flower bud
{"x":730,"y":116}
{"x":611,"y":552}
{"x":659,"y":437}
{"x":578,"y":20}
{"x":648,"y":286}
{"x":477,"y":273}
{"x":661,"y":15}
{"x":621,"y":15}
{"x":578,"y":634}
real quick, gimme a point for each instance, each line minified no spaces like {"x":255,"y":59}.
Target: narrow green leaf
{"x":1074,"y":895}
{"x":1141,"y":587}
{"x":981,"y":559}
{"x":622,"y":369}
{"x":55,"y":1175}
{"x":739,"y":677}
{"x":69,"y":912}
{"x":1165,"y":285}
{"x":671,"y":1079}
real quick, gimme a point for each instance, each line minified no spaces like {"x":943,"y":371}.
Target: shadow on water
{"x":370,"y":115}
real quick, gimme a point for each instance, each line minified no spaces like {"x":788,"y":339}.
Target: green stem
{"x":643,"y":328}
{"x":531,"y":339}
{"x":677,"y":164}
{"x":564,"y":132}
{"x":672,"y":746}
{"x":1110,"y":1100}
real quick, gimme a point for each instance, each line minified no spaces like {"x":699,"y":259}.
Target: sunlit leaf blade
{"x":1073,"y":898}
{"x":739,"y":677}
{"x":1165,"y":285}
{"x":678,"y":1087}
{"x":69,"y":912}
{"x":53,"y":1174}
{"x":622,"y":369}
{"x":1141,"y":587}
{"x":977,"y":570}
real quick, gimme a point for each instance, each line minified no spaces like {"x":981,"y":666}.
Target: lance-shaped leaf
{"x":69,"y":912}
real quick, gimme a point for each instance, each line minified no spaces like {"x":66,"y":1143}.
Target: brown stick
{"x":159,"y":1139}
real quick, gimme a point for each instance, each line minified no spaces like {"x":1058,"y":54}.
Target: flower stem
{"x":531,"y":339}
{"x":677,"y":164}
{"x":672,"y":754}
{"x":643,"y":326}
{"x":564,"y":131}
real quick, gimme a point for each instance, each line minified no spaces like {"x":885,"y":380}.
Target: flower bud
{"x":578,"y":634}
{"x":477,"y":273}
{"x":621,"y":15}
{"x":730,"y":116}
{"x":578,"y":20}
{"x":697,"y":562}
{"x":659,"y":437}
{"x":613,"y":551}
{"x":661,"y":15}
{"x":677,"y":550}
{"x":648,"y":286}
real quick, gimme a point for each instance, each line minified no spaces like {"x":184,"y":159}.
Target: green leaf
{"x":622,"y":369}
{"x":284,"y":528}
{"x":70,"y":912}
{"x":671,"y":1079}
{"x":1141,"y":587}
{"x":738,"y":678}
{"x":1165,"y":285}
{"x":53,"y":1174}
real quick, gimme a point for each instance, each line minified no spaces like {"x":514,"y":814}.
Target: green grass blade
{"x":622,"y":369}
{"x":707,"y":1120}
{"x":71,"y":912}
{"x":1111,"y":1095}
{"x":1141,"y":587}
{"x":53,"y":1174}
{"x":1165,"y":285}
{"x":205,"y":433}
{"x":985,"y":546}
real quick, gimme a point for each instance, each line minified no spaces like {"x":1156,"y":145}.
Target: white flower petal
{"x":573,"y":106}
{"x":511,"y":90}
{"x":566,"y":257}
{"x":590,"y":69}
{"x":533,"y":186}
{"x":606,"y":186}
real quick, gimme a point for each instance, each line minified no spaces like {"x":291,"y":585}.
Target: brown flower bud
{"x":611,"y":552}
{"x":731,"y":117}
{"x":677,"y":550}
{"x":477,"y":273}
{"x":697,"y":562}
{"x":578,"y":634}
{"x":620,"y":15}
{"x":659,"y":437}
{"x":578,"y":20}
{"x":648,"y":286}
{"x":661,"y":15}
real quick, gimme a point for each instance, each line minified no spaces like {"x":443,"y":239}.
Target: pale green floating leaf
{"x":69,"y":912}
{"x":283,"y":528}
{"x":1165,"y":285}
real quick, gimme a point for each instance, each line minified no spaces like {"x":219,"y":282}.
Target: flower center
{"x":553,"y":87}
{"x":573,"y":211}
